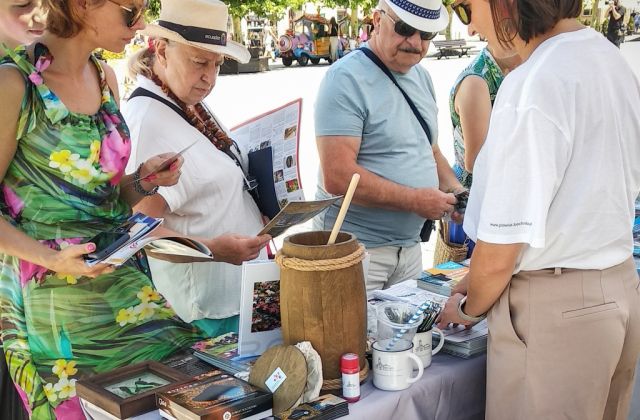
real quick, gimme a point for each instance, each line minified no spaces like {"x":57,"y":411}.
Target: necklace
{"x":199,"y":117}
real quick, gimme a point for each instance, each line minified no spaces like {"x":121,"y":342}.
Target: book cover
{"x":217,"y":397}
{"x":259,"y":326}
{"x":442,"y":278}
{"x":325,"y":407}
{"x":222,"y":352}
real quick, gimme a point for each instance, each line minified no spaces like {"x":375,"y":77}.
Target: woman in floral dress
{"x":63,"y":150}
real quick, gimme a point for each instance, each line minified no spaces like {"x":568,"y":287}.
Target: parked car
{"x":309,"y":42}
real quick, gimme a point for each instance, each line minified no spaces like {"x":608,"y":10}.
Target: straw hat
{"x":424,"y":15}
{"x":198,"y":23}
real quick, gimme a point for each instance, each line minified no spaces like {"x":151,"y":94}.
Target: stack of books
{"x":325,"y":407}
{"x":215,"y":397}
{"x":442,"y":278}
{"x":222,"y":352}
{"x":461,"y":342}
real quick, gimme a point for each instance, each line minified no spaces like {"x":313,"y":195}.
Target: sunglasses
{"x":403,"y":29}
{"x":131,"y":14}
{"x":463,"y":11}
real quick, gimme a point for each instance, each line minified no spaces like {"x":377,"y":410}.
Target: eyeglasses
{"x":463,"y":11}
{"x":406,"y":30}
{"x":132,"y":14}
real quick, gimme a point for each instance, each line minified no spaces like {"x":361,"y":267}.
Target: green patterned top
{"x":486,"y":67}
{"x":62,"y":188}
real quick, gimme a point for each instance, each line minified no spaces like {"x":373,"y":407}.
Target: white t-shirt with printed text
{"x":560,"y":168}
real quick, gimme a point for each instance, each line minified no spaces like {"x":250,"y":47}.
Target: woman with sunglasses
{"x":551,"y":210}
{"x":63,"y":150}
{"x":473,"y":94}
{"x":475,"y":89}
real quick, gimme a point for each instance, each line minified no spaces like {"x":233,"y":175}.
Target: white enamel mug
{"x":393,"y":368}
{"x":422,"y":345}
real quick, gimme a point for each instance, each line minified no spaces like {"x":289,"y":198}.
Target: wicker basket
{"x":446,"y":251}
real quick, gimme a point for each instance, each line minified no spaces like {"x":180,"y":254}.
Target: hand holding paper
{"x":165,"y":162}
{"x":235,"y":249}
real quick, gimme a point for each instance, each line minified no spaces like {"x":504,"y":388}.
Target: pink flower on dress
{"x":29,"y":271}
{"x":13,"y":202}
{"x":114,"y":154}
{"x":70,"y":410}
{"x":41,"y":65}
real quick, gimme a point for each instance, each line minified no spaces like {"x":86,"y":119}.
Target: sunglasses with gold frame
{"x":463,"y":11}
{"x":132,"y":14}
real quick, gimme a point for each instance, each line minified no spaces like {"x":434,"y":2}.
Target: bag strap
{"x":140,"y":91}
{"x":373,"y":57}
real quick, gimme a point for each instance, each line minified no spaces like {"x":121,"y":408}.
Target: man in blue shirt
{"x":364,"y":125}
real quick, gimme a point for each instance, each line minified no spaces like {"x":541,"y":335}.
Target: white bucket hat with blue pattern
{"x":424,"y":15}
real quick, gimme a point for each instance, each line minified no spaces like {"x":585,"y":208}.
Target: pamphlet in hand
{"x":271,"y":142}
{"x":295,"y":213}
{"x":116,"y":246}
{"x":166,"y":164}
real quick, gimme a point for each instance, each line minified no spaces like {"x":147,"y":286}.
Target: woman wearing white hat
{"x":174,"y":74}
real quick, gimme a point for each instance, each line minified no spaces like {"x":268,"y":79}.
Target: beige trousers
{"x":563,"y":344}
{"x":393,"y":264}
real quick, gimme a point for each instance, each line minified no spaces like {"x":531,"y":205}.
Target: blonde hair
{"x":141,"y":63}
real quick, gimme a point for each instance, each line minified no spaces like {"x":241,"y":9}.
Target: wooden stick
{"x":343,"y":209}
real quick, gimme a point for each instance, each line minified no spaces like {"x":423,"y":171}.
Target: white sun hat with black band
{"x":199,"y":23}
{"x":424,"y":15}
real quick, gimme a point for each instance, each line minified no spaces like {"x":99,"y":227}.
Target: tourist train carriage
{"x":309,"y":42}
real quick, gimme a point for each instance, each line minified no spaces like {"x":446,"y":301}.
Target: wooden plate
{"x":293,"y":364}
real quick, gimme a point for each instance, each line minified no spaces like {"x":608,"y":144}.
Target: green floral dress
{"x":486,"y":67}
{"x":62,"y":188}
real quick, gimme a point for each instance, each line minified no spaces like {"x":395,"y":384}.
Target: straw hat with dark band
{"x":198,"y":23}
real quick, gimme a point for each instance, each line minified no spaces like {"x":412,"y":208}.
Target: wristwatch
{"x":468,"y":318}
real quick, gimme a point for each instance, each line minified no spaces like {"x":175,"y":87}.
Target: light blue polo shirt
{"x":357,"y":99}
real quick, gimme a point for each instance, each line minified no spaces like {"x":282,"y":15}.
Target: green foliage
{"x":153,"y":10}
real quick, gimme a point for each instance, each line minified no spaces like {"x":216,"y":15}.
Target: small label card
{"x":275,"y":380}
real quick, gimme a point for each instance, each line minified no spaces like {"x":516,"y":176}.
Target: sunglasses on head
{"x":132,"y":14}
{"x":403,"y":29}
{"x":463,"y":11}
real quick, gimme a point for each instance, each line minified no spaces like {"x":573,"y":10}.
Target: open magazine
{"x":140,"y":231}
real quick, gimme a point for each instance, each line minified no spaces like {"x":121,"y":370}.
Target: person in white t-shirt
{"x":551,"y":209}
{"x":166,"y":113}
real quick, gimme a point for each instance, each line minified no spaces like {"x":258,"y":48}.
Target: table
{"x":451,"y":388}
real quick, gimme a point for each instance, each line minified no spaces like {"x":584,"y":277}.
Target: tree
{"x":271,"y":9}
{"x":353,"y":6}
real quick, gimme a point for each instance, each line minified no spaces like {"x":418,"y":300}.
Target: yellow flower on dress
{"x":64,"y":368}
{"x":145,"y":310}
{"x":148,"y":294}
{"x":95,"y":151}
{"x":126,"y":316}
{"x":85,"y":172}
{"x":63,"y":160}
{"x":50,"y":393}
{"x":68,"y":277}
{"x":66,"y":388}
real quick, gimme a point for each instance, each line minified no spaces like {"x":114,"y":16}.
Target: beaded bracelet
{"x":137,"y":186}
